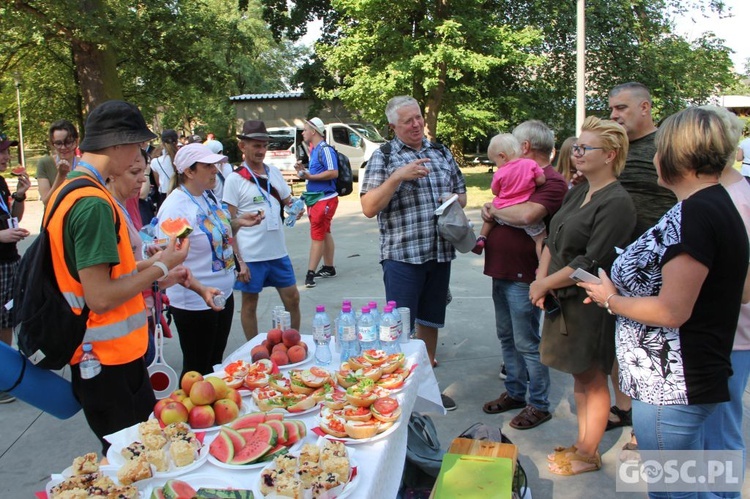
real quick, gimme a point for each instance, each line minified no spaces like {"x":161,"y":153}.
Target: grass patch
{"x":31,"y":163}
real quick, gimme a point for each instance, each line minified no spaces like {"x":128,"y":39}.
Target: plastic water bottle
{"x":148,"y":232}
{"x":292,"y":210}
{"x":220,"y":300}
{"x":389,"y":331}
{"x":90,"y":365}
{"x":374,"y":313}
{"x":397,"y":315}
{"x":367,"y":332}
{"x":322,"y":336}
{"x":347,"y":333}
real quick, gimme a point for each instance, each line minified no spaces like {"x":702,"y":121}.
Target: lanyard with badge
{"x":272,"y":222}
{"x":222,"y":255}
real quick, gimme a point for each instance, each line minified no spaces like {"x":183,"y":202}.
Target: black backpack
{"x":47,"y":329}
{"x":345,"y":180}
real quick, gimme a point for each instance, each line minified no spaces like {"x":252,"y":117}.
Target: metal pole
{"x":17,"y":80}
{"x":580,"y":65}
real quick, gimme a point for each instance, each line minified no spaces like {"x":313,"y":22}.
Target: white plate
{"x":243,"y":410}
{"x":355,"y":441}
{"x":345,"y":492}
{"x":245,"y":354}
{"x":117,"y":459}
{"x":254,"y":408}
{"x":204,"y":480}
{"x":108,"y":470}
{"x":262,"y":464}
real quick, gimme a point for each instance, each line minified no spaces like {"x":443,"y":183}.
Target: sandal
{"x":529,"y":418}
{"x":560,"y":452}
{"x":503,"y":403}
{"x":575,"y":464}
{"x":624,"y":418}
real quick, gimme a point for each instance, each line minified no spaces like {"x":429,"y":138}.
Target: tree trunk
{"x":432,"y":104}
{"x":96,"y":68}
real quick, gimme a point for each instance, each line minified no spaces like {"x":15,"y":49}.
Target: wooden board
{"x":472,"y":447}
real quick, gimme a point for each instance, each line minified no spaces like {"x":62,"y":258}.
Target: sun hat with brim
{"x":317,"y":125}
{"x":114,"y":123}
{"x":254,"y":130}
{"x":190,"y":154}
{"x":5,"y":143}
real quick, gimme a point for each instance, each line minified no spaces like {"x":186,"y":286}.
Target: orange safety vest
{"x":120,"y":335}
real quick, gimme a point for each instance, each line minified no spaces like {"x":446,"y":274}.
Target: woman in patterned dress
{"x":676,"y":291}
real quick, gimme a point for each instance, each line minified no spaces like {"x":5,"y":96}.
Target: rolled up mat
{"x":39,"y":387}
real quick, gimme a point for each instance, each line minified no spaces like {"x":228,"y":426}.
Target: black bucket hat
{"x":254,"y":130}
{"x":114,"y":123}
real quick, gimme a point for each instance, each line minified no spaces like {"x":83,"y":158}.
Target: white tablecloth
{"x":380,"y":463}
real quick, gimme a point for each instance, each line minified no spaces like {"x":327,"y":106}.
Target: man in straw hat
{"x":95,"y":268}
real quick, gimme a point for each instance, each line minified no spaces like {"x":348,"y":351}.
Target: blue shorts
{"x":272,"y":273}
{"x":421,"y":287}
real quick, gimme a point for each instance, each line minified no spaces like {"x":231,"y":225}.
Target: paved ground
{"x":34,"y":444}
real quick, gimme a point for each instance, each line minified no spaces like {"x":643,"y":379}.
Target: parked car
{"x":356,"y":140}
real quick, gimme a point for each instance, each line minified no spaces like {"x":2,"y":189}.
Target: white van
{"x":357,"y":141}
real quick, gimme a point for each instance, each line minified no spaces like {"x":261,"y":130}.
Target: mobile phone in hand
{"x":580,"y":275}
{"x":551,"y":305}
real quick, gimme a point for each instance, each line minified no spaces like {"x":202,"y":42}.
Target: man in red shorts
{"x":321,"y":180}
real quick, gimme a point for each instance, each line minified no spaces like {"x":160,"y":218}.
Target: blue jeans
{"x":670,"y":427}
{"x":517,"y":325}
{"x":723,"y":429}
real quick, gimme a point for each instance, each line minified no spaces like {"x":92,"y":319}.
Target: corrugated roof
{"x":280,"y":95}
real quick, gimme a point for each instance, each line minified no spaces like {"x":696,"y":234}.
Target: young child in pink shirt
{"x":513,"y":183}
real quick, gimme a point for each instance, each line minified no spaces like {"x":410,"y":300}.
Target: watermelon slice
{"x":302,"y":428}
{"x":262,"y":441}
{"x":225,"y":493}
{"x":280,"y":428}
{"x":157,"y":493}
{"x":292,"y":432}
{"x":271,"y":416}
{"x":272,"y":454}
{"x":238,"y":441}
{"x":222,"y":448}
{"x":177,"y":489}
{"x":176,"y":228}
{"x":247,"y":433}
{"x":18,"y":171}
{"x":250,"y":420}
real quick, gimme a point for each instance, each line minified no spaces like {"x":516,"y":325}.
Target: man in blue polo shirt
{"x":321,"y":184}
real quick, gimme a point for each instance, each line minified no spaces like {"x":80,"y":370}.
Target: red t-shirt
{"x":509,"y":252}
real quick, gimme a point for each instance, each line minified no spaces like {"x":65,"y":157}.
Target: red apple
{"x":226,"y":411}
{"x":188,"y":379}
{"x":202,"y":393}
{"x":160,"y":406}
{"x":234,"y":396}
{"x":174,"y":412}
{"x":201,"y":416}
{"x":179,"y":395}
{"x":220,"y":386}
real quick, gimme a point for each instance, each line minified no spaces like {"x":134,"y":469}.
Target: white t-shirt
{"x":261,"y":242}
{"x":740,"y":194}
{"x":745,"y":146}
{"x":225,"y":169}
{"x":210,"y":261}
{"x":165,"y":170}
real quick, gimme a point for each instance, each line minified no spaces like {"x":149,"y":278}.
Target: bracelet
{"x":163,"y":267}
{"x":606,"y":303}
{"x":19,"y":197}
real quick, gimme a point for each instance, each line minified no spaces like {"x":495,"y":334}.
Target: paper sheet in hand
{"x":474,"y":477}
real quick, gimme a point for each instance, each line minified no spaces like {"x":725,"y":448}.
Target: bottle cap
{"x":154,"y":221}
{"x":365,"y":309}
{"x":372,"y":304}
{"x":346,"y":302}
{"x":392,"y":303}
{"x":87,"y":347}
{"x":388,"y":309}
{"x":346,"y":309}
{"x":320,"y":308}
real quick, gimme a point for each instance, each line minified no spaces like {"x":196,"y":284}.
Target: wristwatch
{"x":19,"y":197}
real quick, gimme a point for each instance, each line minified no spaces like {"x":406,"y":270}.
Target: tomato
{"x":386,"y":405}
{"x":358,"y":411}
{"x":320,"y":373}
{"x":239,"y":365}
{"x":336,"y":425}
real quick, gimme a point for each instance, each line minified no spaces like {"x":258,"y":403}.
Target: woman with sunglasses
{"x":596,"y":217}
{"x":51,"y":171}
